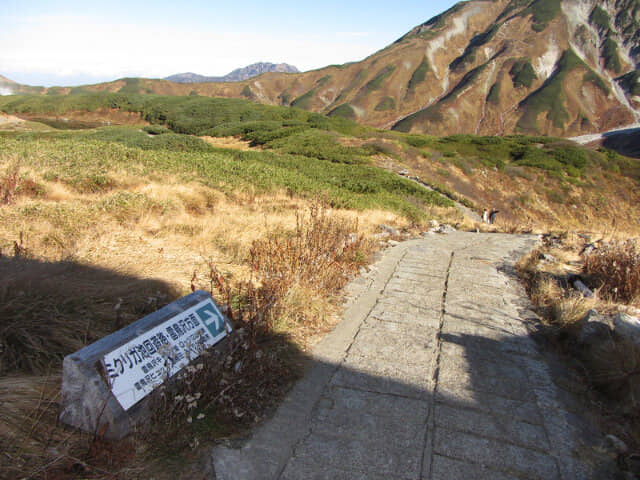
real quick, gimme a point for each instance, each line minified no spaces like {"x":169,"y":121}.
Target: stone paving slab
{"x":493,"y":425}
{"x":431,"y":375}
{"x":497,"y":454}
{"x":445,"y":468}
{"x":303,"y":469}
{"x":484,"y":402}
{"x":370,"y":455}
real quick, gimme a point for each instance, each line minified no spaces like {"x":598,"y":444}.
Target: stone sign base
{"x":87,"y":401}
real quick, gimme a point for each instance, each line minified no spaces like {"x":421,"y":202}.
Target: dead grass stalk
{"x":615,"y":268}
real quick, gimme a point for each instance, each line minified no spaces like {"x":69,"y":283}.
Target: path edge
{"x":273,"y":443}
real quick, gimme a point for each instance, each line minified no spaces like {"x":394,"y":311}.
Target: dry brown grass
{"x":79,"y":263}
{"x":615,"y":269}
{"x":599,"y":202}
{"x":9,"y":180}
{"x":548,"y":282}
{"x":233,"y":143}
{"x":296,"y":276}
{"x":610,"y":362}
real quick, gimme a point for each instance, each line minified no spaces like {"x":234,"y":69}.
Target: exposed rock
{"x":548,"y":258}
{"x":393,"y":243}
{"x":444,"y":229}
{"x":582,"y":288}
{"x":434,"y":224}
{"x":594,"y":329}
{"x":237,"y":75}
{"x":627,"y":327}
{"x":616,"y":445}
{"x":389,"y":230}
{"x":588,"y":249}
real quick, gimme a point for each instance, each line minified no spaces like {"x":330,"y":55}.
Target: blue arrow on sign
{"x":212,"y":319}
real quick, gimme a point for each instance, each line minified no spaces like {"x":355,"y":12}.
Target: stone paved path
{"x":431,"y":375}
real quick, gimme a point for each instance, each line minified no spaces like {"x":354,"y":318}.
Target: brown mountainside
{"x":487,"y":67}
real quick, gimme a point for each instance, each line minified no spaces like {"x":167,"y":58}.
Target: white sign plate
{"x":136,"y":368}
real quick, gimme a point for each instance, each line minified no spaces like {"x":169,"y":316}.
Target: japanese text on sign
{"x":137,"y":367}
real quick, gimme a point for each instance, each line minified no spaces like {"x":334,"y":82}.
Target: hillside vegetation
{"x":101,"y":226}
{"x":114,"y":204}
{"x":531,"y":179}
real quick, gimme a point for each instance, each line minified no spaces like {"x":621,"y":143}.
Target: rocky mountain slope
{"x":553,"y":67}
{"x":237,"y":75}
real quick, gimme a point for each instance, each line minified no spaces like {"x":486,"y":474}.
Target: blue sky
{"x":71,"y":42}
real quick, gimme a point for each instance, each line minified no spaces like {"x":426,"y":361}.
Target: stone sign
{"x":105,"y":382}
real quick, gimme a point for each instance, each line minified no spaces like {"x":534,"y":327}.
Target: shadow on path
{"x":431,"y":375}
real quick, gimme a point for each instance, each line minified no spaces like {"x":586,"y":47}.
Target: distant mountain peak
{"x":237,"y":75}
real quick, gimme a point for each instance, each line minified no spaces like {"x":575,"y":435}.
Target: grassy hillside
{"x":101,"y":226}
{"x":537,"y":183}
{"x":112,"y":205}
{"x":307,"y":153}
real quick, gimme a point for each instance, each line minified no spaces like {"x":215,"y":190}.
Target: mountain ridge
{"x":488,"y":67}
{"x":237,"y":75}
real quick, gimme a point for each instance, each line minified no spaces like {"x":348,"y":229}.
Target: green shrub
{"x":138,"y":139}
{"x":55,"y":91}
{"x":611,"y":56}
{"x":512,"y":6}
{"x":418,"y":75}
{"x":265,"y":137}
{"x":345,"y":111}
{"x":347,"y":182}
{"x":321,"y":145}
{"x":469,"y":54}
{"x":631,"y":82}
{"x":378,"y":80}
{"x":494,"y":94}
{"x":131,"y":85}
{"x":156,"y":129}
{"x":285,"y":98}
{"x":385,"y":104}
{"x":522,"y":73}
{"x":419,"y":141}
{"x":357,"y":80}
{"x":247,"y":92}
{"x":600,"y":19}
{"x":550,"y":97}
{"x":77,"y":90}
{"x":304,"y":101}
{"x":323,"y":81}
{"x":542,"y":12}
{"x":429,"y":114}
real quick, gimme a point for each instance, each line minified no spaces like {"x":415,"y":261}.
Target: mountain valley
{"x":548,"y":67}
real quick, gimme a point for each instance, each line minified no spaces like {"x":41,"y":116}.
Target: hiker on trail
{"x":485,"y":216}
{"x":492,"y":216}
